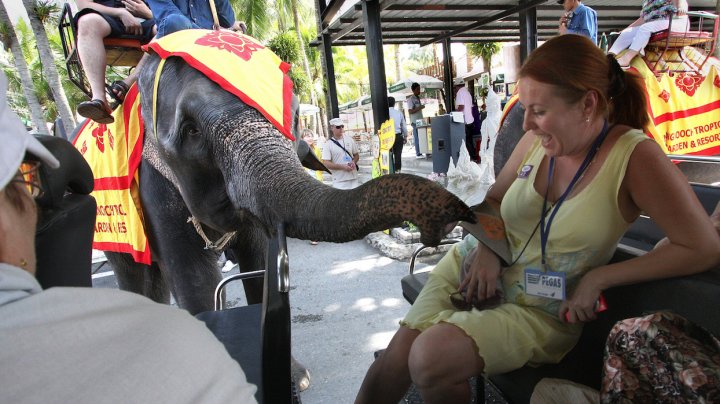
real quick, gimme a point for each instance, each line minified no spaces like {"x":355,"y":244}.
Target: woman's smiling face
{"x":560,"y":126}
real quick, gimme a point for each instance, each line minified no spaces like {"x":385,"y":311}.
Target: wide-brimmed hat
{"x":336,"y":122}
{"x":458,"y":81}
{"x":15,"y":141}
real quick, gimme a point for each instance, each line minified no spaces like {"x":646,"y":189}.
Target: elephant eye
{"x":189,"y":128}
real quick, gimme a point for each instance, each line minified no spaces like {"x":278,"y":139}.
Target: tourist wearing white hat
{"x":340,"y":155}
{"x":86,"y":345}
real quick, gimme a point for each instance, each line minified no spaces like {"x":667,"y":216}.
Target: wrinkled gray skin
{"x":222,"y":162}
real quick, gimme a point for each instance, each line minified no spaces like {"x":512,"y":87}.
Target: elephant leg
{"x":190,"y":271}
{"x":249,"y":251}
{"x":146,"y":280}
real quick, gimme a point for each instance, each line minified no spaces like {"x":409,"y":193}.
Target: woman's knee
{"x":443,"y":353}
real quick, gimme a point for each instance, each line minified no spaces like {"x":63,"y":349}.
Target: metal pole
{"x":528,"y":31}
{"x":447,"y":76}
{"x":376,"y":62}
{"x":330,"y":67}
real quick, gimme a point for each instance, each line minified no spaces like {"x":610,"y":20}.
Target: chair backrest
{"x":275,"y":323}
{"x":67,"y":218}
{"x":258,"y":336}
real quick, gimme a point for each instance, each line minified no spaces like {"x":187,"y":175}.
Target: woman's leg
{"x":388,"y":378}
{"x":442,"y":359}
{"x":623,"y":41}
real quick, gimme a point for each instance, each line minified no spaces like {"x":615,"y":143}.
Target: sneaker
{"x":229,"y":265}
{"x":313,"y":243}
{"x":419,"y":156}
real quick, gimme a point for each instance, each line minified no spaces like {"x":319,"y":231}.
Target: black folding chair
{"x":258,"y":335}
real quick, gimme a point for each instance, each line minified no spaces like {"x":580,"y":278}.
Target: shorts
{"x":117,"y":28}
{"x":507,"y":337}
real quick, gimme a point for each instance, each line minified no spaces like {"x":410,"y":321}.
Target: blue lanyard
{"x":545,"y":229}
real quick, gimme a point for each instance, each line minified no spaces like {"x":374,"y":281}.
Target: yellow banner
{"x":684,"y":109}
{"x":240,"y":65}
{"x":387,"y":134}
{"x":114,"y":152}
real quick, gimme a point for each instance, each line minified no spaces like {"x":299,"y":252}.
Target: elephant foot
{"x":300,"y":374}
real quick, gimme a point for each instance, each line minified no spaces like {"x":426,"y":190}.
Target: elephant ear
{"x":308,"y":158}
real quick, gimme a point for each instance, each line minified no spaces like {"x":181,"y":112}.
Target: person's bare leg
{"x":132,"y":77}
{"x":92,"y":28}
{"x":442,"y":359}
{"x":388,"y":378}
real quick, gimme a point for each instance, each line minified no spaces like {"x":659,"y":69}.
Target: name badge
{"x":525,"y":171}
{"x":545,"y":284}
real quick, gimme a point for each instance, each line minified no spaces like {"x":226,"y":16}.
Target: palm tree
{"x":10,"y":42}
{"x":40,"y":11}
{"x":256,"y":16}
{"x":484,"y":50}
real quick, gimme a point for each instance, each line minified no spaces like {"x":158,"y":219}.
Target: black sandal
{"x":118,"y":90}
{"x":97,"y":110}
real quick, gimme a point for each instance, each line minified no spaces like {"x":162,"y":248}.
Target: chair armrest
{"x":422,"y":247}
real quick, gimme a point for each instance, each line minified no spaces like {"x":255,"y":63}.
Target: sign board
{"x":387,"y":134}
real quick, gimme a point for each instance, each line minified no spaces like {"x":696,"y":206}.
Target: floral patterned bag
{"x":661,"y":358}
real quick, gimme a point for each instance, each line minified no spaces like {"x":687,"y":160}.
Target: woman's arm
{"x":653,"y":185}
{"x":484,"y":264}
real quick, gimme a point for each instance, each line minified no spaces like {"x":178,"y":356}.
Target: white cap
{"x":336,"y":122}
{"x":15,"y":141}
{"x":458,"y":81}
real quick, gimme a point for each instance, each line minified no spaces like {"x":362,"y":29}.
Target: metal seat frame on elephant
{"x":701,"y":35}
{"x":122,"y":51}
{"x":258,"y":336}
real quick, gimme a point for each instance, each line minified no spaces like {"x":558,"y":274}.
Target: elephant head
{"x":233,"y":167}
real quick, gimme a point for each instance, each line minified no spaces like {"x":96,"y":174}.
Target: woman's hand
{"x":482,"y":269}
{"x":583,"y":303}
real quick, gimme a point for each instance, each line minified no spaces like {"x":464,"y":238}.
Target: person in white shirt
{"x":87,"y":345}
{"x":340,"y":155}
{"x":463,"y":102}
{"x":415,"y":107}
{"x":400,"y":133}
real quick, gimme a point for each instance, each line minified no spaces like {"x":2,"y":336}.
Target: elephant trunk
{"x":328,"y":214}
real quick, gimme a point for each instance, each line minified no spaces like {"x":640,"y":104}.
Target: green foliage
{"x":286,"y":47}
{"x":5,"y":35}
{"x":256,"y":15}
{"x":46,"y":11}
{"x":483,"y":50}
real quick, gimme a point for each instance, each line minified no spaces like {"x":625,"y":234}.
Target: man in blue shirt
{"x":578,"y":19}
{"x":176,"y":15}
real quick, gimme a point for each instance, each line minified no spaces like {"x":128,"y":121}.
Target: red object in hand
{"x":600,"y":306}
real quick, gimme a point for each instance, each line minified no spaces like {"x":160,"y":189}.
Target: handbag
{"x":357,"y":167}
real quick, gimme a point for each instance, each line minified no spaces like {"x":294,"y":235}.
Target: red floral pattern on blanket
{"x":99,"y":135}
{"x":664,"y":95}
{"x":716,"y":82}
{"x":239,"y":45}
{"x":660,"y":358}
{"x":688,"y":83}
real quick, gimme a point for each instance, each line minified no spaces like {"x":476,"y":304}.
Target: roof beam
{"x":508,"y":12}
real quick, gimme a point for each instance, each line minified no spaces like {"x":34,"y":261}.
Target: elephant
{"x":219,"y":160}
